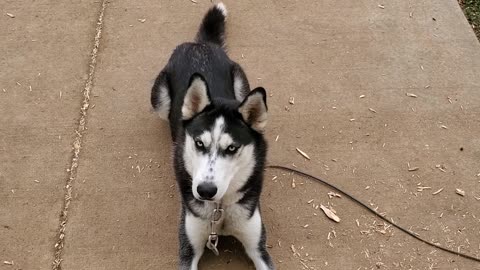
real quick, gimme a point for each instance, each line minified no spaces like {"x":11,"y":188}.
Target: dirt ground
{"x":386,"y":105}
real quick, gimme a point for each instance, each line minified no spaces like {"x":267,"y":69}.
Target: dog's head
{"x":220,"y":139}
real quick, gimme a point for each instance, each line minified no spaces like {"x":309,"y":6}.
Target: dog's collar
{"x":216,"y":219}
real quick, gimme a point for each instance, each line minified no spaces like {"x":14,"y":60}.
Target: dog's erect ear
{"x":241,"y":88}
{"x":254,"y":109}
{"x":160,"y":97}
{"x":196,"y":98}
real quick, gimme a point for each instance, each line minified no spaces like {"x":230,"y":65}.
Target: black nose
{"x":207,"y":190}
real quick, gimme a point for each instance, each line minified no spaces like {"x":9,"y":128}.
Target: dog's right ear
{"x":196,"y":98}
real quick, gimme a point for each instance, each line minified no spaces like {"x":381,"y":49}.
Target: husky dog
{"x":216,"y":124}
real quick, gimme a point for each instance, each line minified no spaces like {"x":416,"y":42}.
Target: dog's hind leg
{"x":253,"y":237}
{"x":192,"y":237}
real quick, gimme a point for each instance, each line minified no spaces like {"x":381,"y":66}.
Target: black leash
{"x":373,"y":211}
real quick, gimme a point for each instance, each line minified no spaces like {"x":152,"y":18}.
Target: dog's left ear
{"x":196,"y":98}
{"x":254,"y":109}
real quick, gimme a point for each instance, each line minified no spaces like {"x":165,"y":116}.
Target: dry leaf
{"x":10,"y":15}
{"x":329,"y":213}
{"x":460,"y":192}
{"x":411,"y":95}
{"x":291,"y":100}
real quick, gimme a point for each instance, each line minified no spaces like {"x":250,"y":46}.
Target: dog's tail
{"x":212,"y":29}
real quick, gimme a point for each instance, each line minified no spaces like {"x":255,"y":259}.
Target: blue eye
{"x":199,"y":144}
{"x":232,"y":149}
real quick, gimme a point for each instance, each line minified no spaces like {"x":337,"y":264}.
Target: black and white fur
{"x":216,"y":125}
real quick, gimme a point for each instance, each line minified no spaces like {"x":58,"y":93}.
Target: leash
{"x":212,"y":242}
{"x":304,"y":174}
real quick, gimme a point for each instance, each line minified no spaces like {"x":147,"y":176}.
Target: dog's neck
{"x":231,"y":198}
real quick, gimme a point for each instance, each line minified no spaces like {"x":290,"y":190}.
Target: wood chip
{"x":420,"y":189}
{"x":291,"y":100}
{"x":293,"y":183}
{"x":381,"y":6}
{"x":8,"y":263}
{"x":411,"y":95}
{"x":444,"y":127}
{"x":372,"y":110}
{"x":329,"y":213}
{"x":332,"y":194}
{"x":302,"y":153}
{"x":438,"y":191}
{"x":361,"y":96}
{"x":10,"y":15}
{"x":441,"y":167}
{"x":292,"y":247}
{"x":460,"y":192}
{"x":142,"y":20}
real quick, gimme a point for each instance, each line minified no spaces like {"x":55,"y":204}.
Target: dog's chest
{"x":234,"y":220}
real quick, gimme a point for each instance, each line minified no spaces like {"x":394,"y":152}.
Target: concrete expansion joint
{"x":77,"y":143}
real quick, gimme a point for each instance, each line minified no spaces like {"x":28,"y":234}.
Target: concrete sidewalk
{"x":43,"y":64}
{"x":348,"y":64}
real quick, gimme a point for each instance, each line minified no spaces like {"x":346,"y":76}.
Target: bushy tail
{"x":212,"y":29}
